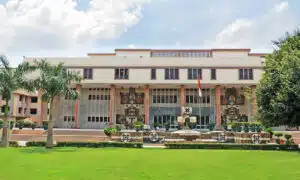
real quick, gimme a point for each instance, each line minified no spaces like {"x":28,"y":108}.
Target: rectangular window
{"x":20,"y":98}
{"x":121,"y":73}
{"x":33,"y":111}
{"x":171,"y":74}
{"x":246,"y":74}
{"x":34,"y":99}
{"x":213,"y":74}
{"x":194,"y":73}
{"x":87,"y":73}
{"x":20,"y":111}
{"x":153,"y":74}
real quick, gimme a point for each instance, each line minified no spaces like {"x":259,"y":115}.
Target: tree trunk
{"x":5,"y":131}
{"x":49,"y":143}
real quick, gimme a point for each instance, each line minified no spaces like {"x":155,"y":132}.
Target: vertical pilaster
{"x":112,"y":104}
{"x":182,"y":98}
{"x":147,"y":105}
{"x":218,"y":101}
{"x":77,"y":104}
{"x":254,"y":104}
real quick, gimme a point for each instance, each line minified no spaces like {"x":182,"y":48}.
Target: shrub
{"x":35,"y":143}
{"x":252,"y":127}
{"x":278,"y":134}
{"x":100,"y":144}
{"x":27,"y":123}
{"x":34,"y":125}
{"x":138,"y":126}
{"x":288,"y":138}
{"x":20,"y":124}
{"x":109,"y":131}
{"x":270,"y":131}
{"x":88,"y":144}
{"x":231,"y":146}
{"x":119,"y":127}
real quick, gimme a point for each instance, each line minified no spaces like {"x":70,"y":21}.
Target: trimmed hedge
{"x":12,"y":144}
{"x":88,"y":144}
{"x":232,"y":146}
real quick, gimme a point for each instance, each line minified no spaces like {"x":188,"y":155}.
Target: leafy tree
{"x":278,"y":94}
{"x":12,"y":79}
{"x":53,"y":81}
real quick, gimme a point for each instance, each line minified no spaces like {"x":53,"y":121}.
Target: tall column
{"x":254,"y":104}
{"x":77,"y":104}
{"x":182,"y":98}
{"x":147,"y":105}
{"x":218,"y":101}
{"x":112,"y":104}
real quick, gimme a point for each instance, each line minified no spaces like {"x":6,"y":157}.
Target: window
{"x":20,"y":98}
{"x":171,"y":74}
{"x":88,"y":73}
{"x":153,"y":74}
{"x":121,"y":73}
{"x":34,"y":99}
{"x":96,"y":119}
{"x":164,"y":96}
{"x":245,"y":74}
{"x":192,"y":96}
{"x":69,"y":118}
{"x":20,"y":111}
{"x":194,"y":73}
{"x":33,"y":111}
{"x":162,"y":120}
{"x":213,"y":74}
{"x":98,"y":94}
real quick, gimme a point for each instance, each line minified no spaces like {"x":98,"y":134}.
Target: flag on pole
{"x":199,"y":87}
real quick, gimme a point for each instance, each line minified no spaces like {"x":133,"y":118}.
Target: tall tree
{"x":54,"y":81}
{"x":12,"y":79}
{"x":278,"y":94}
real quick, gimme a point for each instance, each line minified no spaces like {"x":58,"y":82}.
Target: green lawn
{"x":139,"y":164}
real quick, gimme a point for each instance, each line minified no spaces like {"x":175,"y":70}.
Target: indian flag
{"x":199,"y":87}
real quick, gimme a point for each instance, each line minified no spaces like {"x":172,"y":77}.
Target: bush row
{"x":89,"y":144}
{"x":232,"y":146}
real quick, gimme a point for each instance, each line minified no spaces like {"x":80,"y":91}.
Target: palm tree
{"x":53,"y":81}
{"x":12,"y":79}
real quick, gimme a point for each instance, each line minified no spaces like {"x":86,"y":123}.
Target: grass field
{"x":139,"y":164}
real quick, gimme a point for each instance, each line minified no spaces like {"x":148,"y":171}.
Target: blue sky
{"x":39,"y":28}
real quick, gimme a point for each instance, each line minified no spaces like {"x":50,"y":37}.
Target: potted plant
{"x":167,"y":126}
{"x":246,"y":127}
{"x":33,"y":125}
{"x":211,"y":126}
{"x":45,"y":125}
{"x":20,"y":124}
{"x":288,"y":138}
{"x":234,"y":127}
{"x":278,"y":135}
{"x":252,"y":127}
{"x":11,"y":124}
{"x":258,"y":128}
{"x":138,"y":126}
{"x":270,"y":131}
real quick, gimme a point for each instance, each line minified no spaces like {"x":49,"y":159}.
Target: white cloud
{"x":34,"y":25}
{"x":258,"y":32}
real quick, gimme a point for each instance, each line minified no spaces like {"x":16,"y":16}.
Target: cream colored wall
{"x":132,"y":53}
{"x":162,"y":62}
{"x":226,"y":63}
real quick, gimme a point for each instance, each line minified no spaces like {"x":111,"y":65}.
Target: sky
{"x":69,"y":28}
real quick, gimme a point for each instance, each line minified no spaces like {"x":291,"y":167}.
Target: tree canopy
{"x":278,"y":94}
